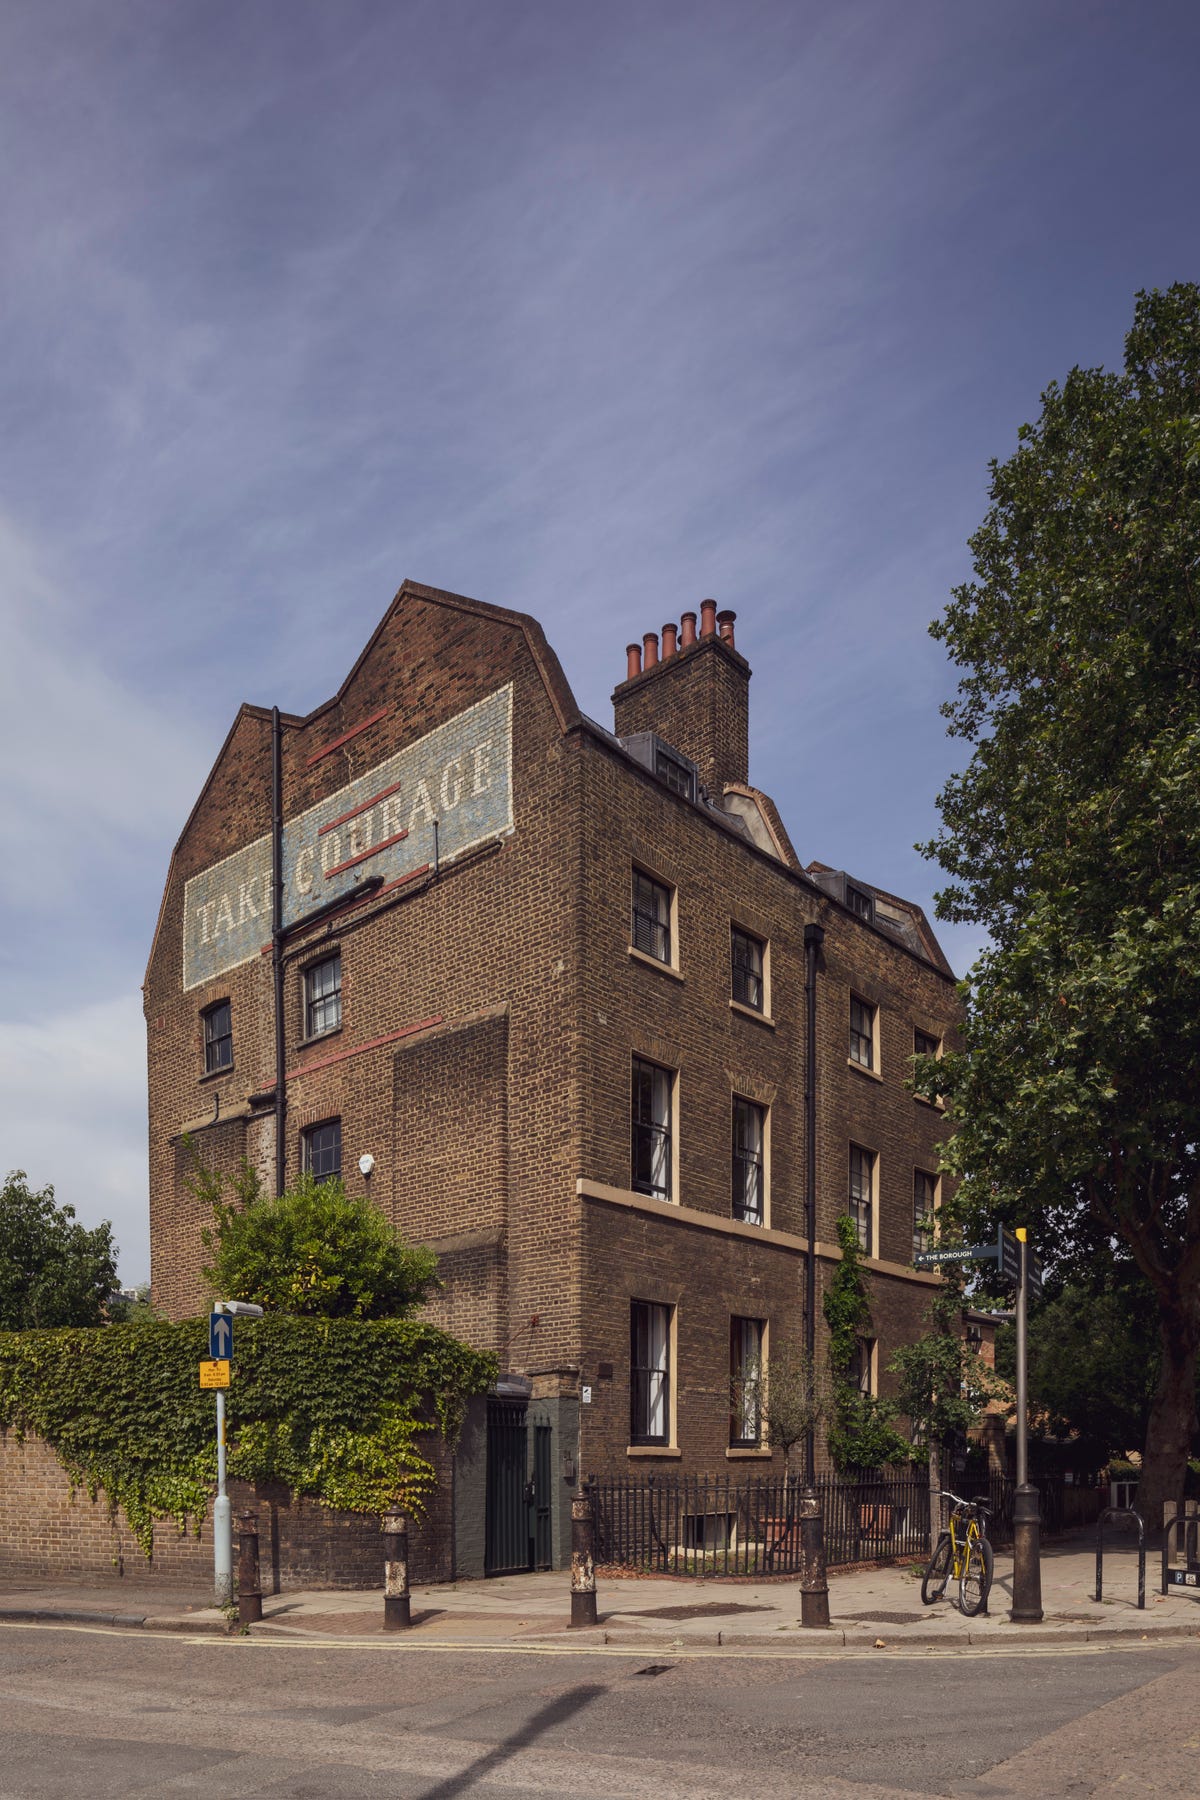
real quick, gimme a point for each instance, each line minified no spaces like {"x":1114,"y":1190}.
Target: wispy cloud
{"x":590,"y":311}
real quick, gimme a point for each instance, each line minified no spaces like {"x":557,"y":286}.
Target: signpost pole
{"x":1027,"y":1567}
{"x":222,"y":1519}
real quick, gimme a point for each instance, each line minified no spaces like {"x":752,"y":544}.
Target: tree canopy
{"x":53,"y":1270}
{"x":314,"y":1251}
{"x":1073,"y":836}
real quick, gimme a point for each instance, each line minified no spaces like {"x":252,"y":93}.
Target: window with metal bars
{"x":749,"y":1173}
{"x":321,"y":1149}
{"x":862,"y":1033}
{"x":862,"y":1194}
{"x":323,"y":996}
{"x":924,"y":1208}
{"x":746,"y":955}
{"x":650,"y":1122}
{"x":745,"y":1382}
{"x":649,"y":1373}
{"x":651,"y":926}
{"x":218,"y":1037}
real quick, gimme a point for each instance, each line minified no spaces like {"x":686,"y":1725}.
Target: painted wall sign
{"x":379,"y":824}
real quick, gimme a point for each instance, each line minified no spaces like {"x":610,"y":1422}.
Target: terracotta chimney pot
{"x":689,"y":630}
{"x":670,"y":635}
{"x":708,"y":618}
{"x":725,"y":621}
{"x":633,"y":661}
{"x":650,"y":658}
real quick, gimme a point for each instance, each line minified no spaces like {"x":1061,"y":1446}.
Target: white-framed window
{"x":861,"y":1373}
{"x":925,"y":1203}
{"x":864,"y":1027}
{"x":218,"y":1037}
{"x":861,"y":1195}
{"x":650,"y":927}
{"x":749,"y":1161}
{"x":649,"y":1372}
{"x":925,"y":1043}
{"x":747,"y":1339}
{"x":650,"y":1117}
{"x":323,"y":995}
{"x":748,"y":969}
{"x":321,"y":1149}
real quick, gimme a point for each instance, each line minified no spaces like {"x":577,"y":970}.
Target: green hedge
{"x":331,"y":1408}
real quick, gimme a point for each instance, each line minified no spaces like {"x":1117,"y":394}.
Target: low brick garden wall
{"x":48,"y":1532}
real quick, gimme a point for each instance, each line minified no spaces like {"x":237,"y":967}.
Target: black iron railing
{"x":726,"y":1525}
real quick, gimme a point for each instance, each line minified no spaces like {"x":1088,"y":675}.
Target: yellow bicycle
{"x":963,"y":1550}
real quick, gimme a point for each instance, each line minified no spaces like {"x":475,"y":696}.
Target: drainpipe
{"x":277,"y":948}
{"x":814,"y":937}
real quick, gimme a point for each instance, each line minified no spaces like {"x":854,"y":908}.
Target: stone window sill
{"x":652,"y":962}
{"x":740,"y":1453}
{"x":752,"y":1012}
{"x":867,"y":1074}
{"x":321,"y":1037}
{"x":653,"y":1450}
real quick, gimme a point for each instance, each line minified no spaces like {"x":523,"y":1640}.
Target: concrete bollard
{"x":814,"y":1583}
{"x":583,"y":1562}
{"x":396,"y":1604}
{"x":249,"y":1587}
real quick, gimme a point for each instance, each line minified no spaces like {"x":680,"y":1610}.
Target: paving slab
{"x":876,"y":1607}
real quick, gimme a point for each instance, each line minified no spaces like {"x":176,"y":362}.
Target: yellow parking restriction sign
{"x":214,"y":1374}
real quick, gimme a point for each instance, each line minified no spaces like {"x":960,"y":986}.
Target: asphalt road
{"x":94,"y":1713}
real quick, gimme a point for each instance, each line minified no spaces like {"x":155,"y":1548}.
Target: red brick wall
{"x":47,"y":1531}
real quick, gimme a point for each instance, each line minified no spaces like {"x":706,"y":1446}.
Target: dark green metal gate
{"x":543,"y":1554}
{"x":508,"y":1544}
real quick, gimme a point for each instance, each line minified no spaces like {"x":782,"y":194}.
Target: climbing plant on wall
{"x":335,"y":1409}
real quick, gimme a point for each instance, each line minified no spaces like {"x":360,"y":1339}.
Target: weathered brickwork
{"x":492,"y":1007}
{"x":48,"y":1530}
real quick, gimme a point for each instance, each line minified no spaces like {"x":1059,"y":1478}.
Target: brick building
{"x":546,"y":997}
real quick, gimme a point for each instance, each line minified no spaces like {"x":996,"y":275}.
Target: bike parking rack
{"x":1124,"y":1512}
{"x":1189,"y":1520}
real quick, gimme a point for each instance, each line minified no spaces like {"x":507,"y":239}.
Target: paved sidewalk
{"x":878,"y":1607}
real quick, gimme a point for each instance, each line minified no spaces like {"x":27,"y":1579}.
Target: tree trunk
{"x":1172,"y":1421}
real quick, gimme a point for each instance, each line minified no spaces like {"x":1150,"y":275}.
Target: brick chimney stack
{"x":696,"y":696}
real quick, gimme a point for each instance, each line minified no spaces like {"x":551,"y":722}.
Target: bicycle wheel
{"x":937,"y":1573}
{"x":976,"y":1581}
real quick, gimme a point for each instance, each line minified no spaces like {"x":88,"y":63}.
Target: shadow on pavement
{"x":556,"y":1713}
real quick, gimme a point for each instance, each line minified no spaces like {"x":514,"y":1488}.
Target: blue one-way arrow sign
{"x":220,"y":1337}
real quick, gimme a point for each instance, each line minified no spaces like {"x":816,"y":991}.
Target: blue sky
{"x":590,"y":311}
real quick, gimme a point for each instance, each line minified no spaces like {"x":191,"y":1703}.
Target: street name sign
{"x":214,"y":1374}
{"x":220,"y":1336}
{"x":1005,"y":1253}
{"x":929,"y":1259}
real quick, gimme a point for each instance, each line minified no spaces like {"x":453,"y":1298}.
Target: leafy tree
{"x":796,"y":1399}
{"x":944,"y":1383}
{"x":314,"y":1251}
{"x":53,"y":1271}
{"x":1073,"y":835}
{"x":1093,"y":1362}
{"x":860,"y":1432}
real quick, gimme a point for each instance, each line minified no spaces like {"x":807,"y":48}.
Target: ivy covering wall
{"x":335,"y":1409}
